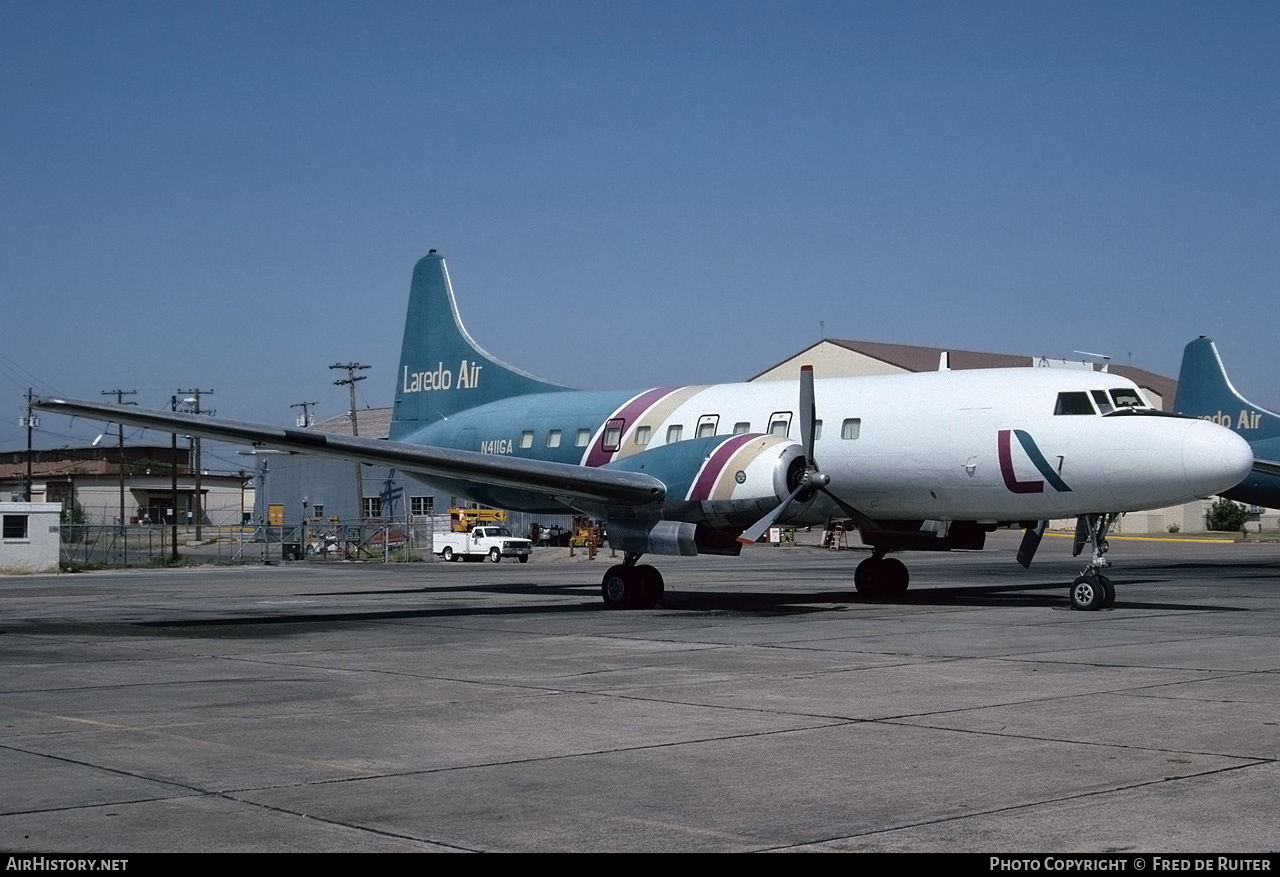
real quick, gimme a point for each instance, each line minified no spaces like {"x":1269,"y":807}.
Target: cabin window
{"x":1126,"y":398}
{"x":741,"y":426}
{"x":642,"y":435}
{"x":707,"y":424}
{"x":526,"y":439}
{"x":780,"y":423}
{"x":851,"y":428}
{"x":674,"y":432}
{"x":1104,"y":404}
{"x":1074,"y":403}
{"x":817,"y":430}
{"x":553,"y":438}
{"x":612,"y":437}
{"x":583,"y":438}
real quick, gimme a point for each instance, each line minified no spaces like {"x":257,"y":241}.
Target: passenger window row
{"x":611,"y":440}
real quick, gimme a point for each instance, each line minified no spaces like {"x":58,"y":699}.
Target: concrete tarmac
{"x":468,"y":707}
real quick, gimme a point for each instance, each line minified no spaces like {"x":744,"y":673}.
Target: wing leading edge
{"x":554,"y":479}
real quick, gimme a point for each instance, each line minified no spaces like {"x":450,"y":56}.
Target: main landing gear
{"x":879,"y":577}
{"x":631,"y":586}
{"x":1092,"y":590}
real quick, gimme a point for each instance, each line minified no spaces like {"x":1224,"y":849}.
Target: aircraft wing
{"x":555,"y":479}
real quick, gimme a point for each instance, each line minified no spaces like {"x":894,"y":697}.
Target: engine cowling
{"x":724,"y":482}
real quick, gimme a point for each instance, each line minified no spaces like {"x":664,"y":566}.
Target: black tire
{"x":653,"y":587}
{"x":1108,"y":592}
{"x":896,"y":576}
{"x":620,"y":587}
{"x":495,"y":554}
{"x":524,"y":558}
{"x":1087,"y":594}
{"x":870,"y":579}
{"x":447,"y":554}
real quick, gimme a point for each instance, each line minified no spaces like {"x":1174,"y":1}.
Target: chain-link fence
{"x":381,"y":541}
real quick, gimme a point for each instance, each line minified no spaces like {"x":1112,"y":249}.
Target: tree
{"x":1226,"y":515}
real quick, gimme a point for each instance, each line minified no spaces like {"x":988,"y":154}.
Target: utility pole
{"x":30,"y":422}
{"x":173,"y":484}
{"x":193,"y":399}
{"x":350,"y":381}
{"x":120,"y":394}
{"x":305,"y":420}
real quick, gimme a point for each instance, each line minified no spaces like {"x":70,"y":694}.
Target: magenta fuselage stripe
{"x":719,"y":459}
{"x":598,"y":456}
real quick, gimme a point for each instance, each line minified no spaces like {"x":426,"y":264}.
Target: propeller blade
{"x":755,"y":531}
{"x":808,"y":413}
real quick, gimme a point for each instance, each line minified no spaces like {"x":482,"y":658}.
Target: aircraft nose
{"x":1214,"y":458}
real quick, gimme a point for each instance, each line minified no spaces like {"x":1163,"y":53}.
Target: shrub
{"x":1226,"y":515}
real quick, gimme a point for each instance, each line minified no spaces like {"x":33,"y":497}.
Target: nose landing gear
{"x":1092,"y":590}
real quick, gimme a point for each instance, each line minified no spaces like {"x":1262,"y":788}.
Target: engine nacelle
{"x":720,"y":481}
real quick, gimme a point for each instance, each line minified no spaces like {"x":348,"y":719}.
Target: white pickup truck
{"x":483,"y":540}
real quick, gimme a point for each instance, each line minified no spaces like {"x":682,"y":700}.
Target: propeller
{"x":811,"y":480}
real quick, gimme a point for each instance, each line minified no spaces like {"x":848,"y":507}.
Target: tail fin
{"x":442,"y":370}
{"x":1205,"y":391}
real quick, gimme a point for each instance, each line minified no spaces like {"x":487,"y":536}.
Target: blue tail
{"x":1204,"y":391}
{"x":442,"y":370}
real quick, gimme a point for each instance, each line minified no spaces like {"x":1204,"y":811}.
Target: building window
{"x":553,"y":438}
{"x":373,"y":506}
{"x":674,"y":433}
{"x":421,"y":505}
{"x":851,"y":428}
{"x":526,"y":439}
{"x":642,"y":435}
{"x":583,"y":438}
{"x":15,"y":526}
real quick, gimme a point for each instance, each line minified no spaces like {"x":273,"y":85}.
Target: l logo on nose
{"x":1033,"y":454}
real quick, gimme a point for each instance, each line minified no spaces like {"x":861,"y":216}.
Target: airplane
{"x":1205,"y":391}
{"x":921,"y":461}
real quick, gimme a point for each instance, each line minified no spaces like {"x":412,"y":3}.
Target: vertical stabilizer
{"x":442,"y":370}
{"x":1205,"y":391}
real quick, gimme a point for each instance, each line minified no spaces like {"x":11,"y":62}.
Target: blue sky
{"x":232,"y":195}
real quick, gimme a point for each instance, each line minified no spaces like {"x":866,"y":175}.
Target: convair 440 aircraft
{"x":917,"y":461}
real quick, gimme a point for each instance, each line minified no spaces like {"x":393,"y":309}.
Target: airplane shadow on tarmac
{"x":1050,"y":595}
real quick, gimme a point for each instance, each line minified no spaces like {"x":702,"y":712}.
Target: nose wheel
{"x":1092,"y":590}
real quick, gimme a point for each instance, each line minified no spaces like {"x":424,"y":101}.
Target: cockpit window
{"x":1127,"y":398}
{"x":1104,"y":404}
{"x":1074,"y":403}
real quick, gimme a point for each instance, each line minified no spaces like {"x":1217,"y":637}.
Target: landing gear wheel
{"x":1108,"y":592}
{"x":447,"y":554}
{"x":870,"y":579}
{"x":621,"y":587}
{"x":896,"y":576}
{"x":495,"y":554}
{"x":653,"y":586}
{"x":1088,"y":593}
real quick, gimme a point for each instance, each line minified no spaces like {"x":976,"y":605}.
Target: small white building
{"x":30,"y":536}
